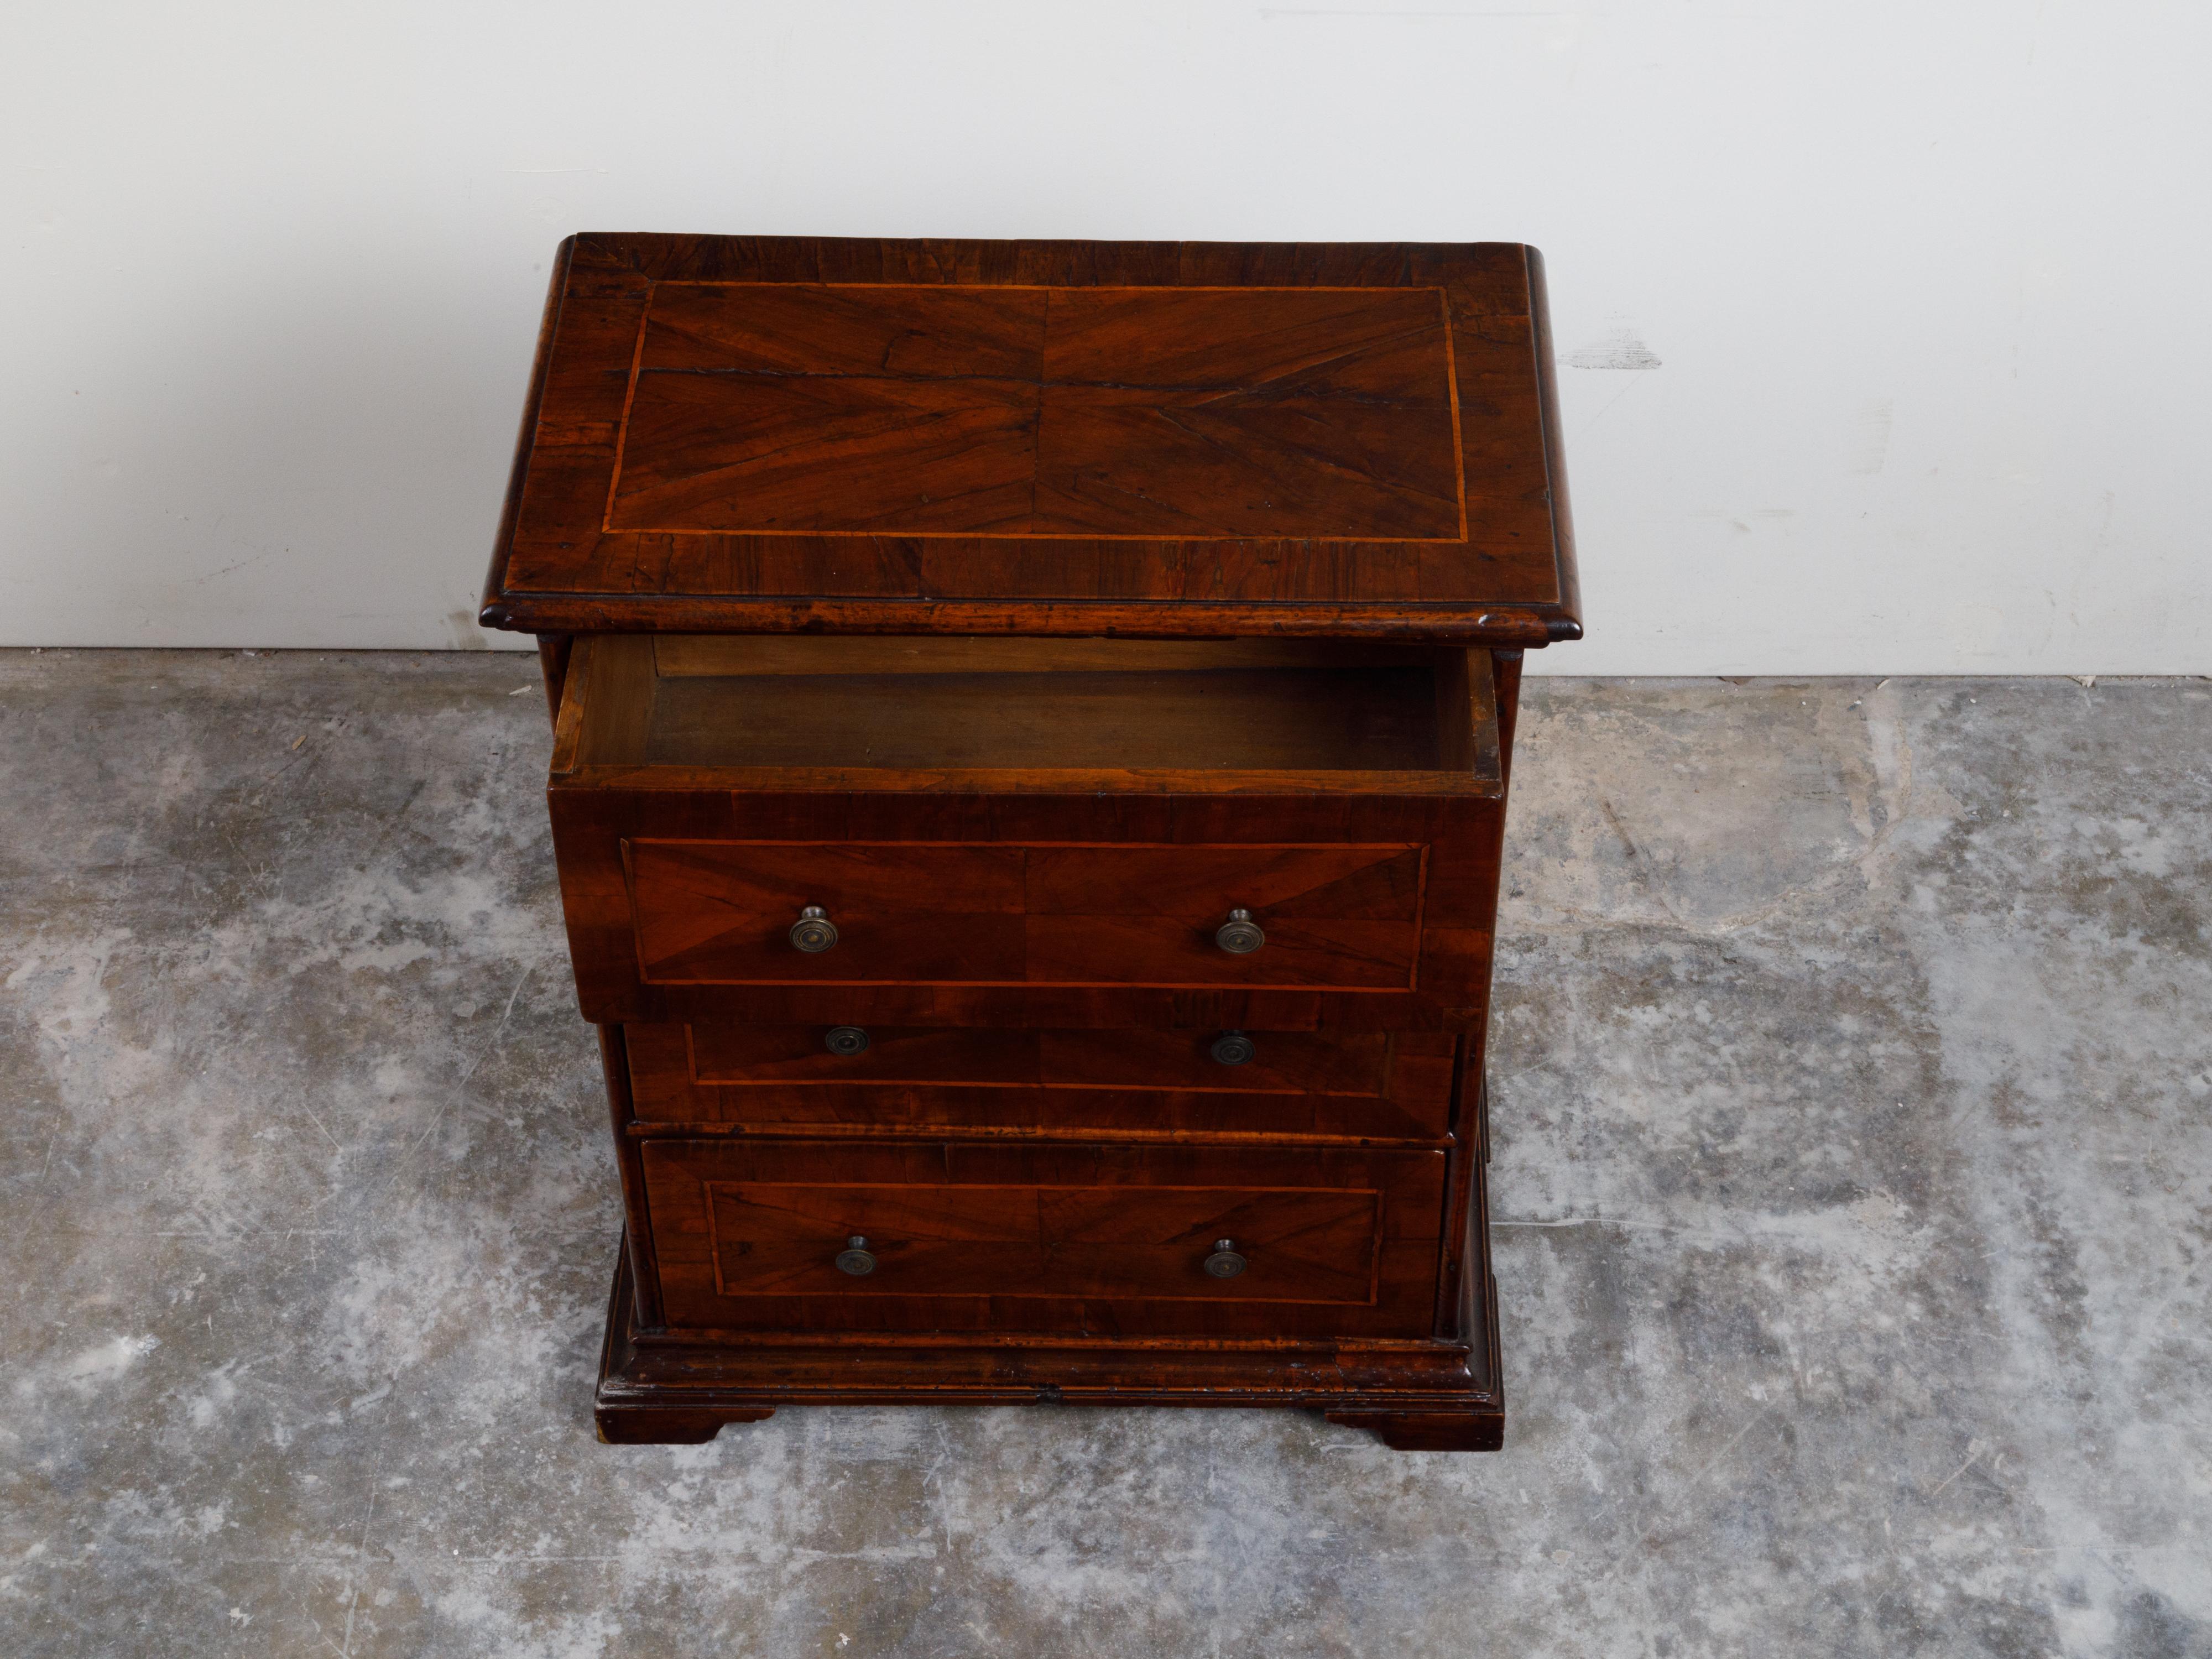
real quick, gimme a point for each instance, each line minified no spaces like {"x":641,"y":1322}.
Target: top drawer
{"x":727,"y":912}
{"x":1010,"y":824}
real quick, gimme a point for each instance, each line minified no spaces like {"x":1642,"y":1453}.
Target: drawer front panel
{"x":776,"y":1056}
{"x":1027,"y":910}
{"x":1381,"y":1086}
{"x":1071,"y":1238}
{"x":717,"y":913}
{"x":709,"y":912}
{"x":1340,"y":916}
{"x":1281,"y":1062}
{"x":769,"y":1238}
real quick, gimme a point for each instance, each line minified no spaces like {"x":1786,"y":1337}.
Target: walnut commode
{"x":1033,"y":721}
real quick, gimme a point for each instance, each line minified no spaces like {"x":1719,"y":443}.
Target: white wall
{"x":1883,"y":320}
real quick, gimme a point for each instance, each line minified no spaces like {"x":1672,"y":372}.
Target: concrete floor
{"x":1855,"y":1183}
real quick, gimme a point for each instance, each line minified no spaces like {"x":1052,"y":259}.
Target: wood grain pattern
{"x":1122,"y":412}
{"x":1023,"y":1243}
{"x":711,"y":912}
{"x":1214,"y":715}
{"x":1282,"y":1063}
{"x":1373,"y":1087}
{"x":1360,"y":720}
{"x":764,"y":434}
{"x":680,"y":882}
{"x":715,"y":912}
{"x":717,"y":887}
{"x":1066,"y":1237}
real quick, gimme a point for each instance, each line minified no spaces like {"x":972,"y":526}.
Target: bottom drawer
{"x":1102,"y":1240}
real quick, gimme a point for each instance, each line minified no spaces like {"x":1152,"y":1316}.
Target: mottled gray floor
{"x":1853,"y":1170}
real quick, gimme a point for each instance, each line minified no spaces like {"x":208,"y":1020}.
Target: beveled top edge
{"x":656,"y":257}
{"x":1059,"y":261}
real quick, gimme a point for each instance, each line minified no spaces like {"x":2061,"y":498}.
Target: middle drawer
{"x":1384,"y":1086}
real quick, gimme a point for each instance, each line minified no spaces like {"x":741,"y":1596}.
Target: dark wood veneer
{"x":733,"y":434}
{"x":1009,"y":896}
{"x":1376,"y":1088}
{"x":1078,"y":1239}
{"x":1028,"y":608}
{"x":863,"y":409}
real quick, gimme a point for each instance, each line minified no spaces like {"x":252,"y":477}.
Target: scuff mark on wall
{"x":1619,"y":347}
{"x":1870,"y":447}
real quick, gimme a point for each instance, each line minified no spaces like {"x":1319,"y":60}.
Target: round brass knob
{"x":1225,"y":1263}
{"x":814,"y":932}
{"x":855,"y":1258}
{"x":1233,"y":1048}
{"x":845,"y":1040}
{"x":1240,"y":935}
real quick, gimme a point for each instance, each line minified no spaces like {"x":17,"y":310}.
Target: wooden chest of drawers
{"x":1032,"y":729}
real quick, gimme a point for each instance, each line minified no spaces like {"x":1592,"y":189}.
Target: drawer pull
{"x":1224,"y":1263}
{"x":845,"y":1040}
{"x":1233,"y":1048}
{"x":814,"y":932}
{"x":856,"y":1259}
{"x":1240,"y":935}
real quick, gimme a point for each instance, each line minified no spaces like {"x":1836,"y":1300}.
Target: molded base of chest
{"x":659,"y":1389}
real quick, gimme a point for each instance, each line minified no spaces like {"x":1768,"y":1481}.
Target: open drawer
{"x":1072,"y":833}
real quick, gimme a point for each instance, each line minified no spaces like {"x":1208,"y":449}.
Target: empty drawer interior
{"x":896,"y":703}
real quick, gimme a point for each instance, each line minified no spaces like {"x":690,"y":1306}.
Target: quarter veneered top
{"x":737,"y":434}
